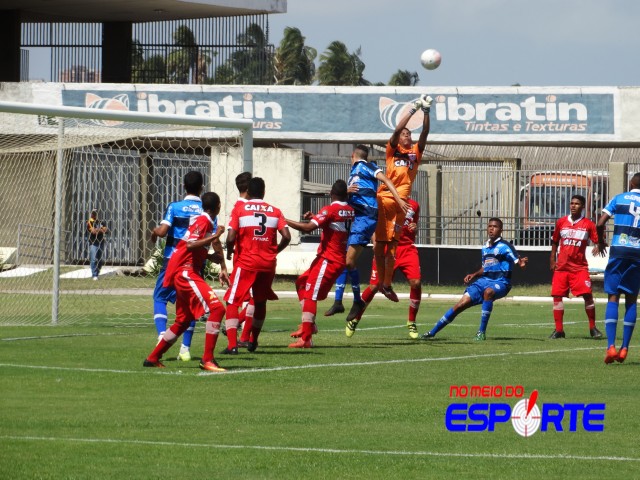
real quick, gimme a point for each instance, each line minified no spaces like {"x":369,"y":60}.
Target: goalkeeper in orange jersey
{"x":403,"y":159}
{"x":408,"y":262}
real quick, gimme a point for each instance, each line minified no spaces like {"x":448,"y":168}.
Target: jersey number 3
{"x":258,"y":232}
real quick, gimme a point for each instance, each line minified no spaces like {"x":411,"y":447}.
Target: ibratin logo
{"x":118,"y":103}
{"x":525,"y":416}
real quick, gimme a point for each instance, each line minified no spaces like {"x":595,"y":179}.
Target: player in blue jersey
{"x":622,"y":274}
{"x":363,"y":185}
{"x":174,"y":225}
{"x":490,"y":283}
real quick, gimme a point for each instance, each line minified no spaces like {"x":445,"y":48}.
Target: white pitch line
{"x":298,"y":367}
{"x":523,"y":456}
{"x":389,"y":362}
{"x":43,"y":337}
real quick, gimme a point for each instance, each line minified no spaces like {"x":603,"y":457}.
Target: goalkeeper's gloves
{"x":426,"y":102}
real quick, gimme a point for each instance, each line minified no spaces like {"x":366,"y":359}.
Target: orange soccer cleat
{"x":622,"y":355}
{"x":300,"y":343}
{"x":612,"y":355}
{"x":212,"y":366}
{"x":149,"y":363}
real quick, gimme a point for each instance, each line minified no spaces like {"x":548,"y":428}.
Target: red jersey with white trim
{"x":256,"y":224}
{"x":335,"y":221}
{"x":201,"y":227}
{"x":572,"y":239}
{"x":407,"y":236}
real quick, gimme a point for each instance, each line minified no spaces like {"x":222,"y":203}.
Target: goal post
{"x":59,"y":163}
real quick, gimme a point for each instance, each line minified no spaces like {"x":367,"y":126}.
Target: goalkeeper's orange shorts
{"x":390,"y":219}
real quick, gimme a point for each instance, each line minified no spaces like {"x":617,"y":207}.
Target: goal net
{"x":57,"y":165}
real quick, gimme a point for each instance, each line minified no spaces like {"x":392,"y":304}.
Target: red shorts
{"x":249,"y":282}
{"x":578,"y":282}
{"x":407,"y":261}
{"x":194,"y":297}
{"x":316,"y":283}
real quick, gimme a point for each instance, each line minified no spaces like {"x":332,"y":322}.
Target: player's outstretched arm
{"x":305,"y":227}
{"x":384,"y":179}
{"x":426,"y":122}
{"x":159,"y":232}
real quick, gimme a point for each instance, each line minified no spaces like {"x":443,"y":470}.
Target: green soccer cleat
{"x":350,"y":329}
{"x":413,"y":330}
{"x":480,"y":337}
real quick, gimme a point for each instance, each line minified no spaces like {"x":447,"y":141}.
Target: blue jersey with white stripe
{"x":498,"y":259}
{"x":363,"y":174}
{"x":178,"y":216}
{"x":625,"y":210}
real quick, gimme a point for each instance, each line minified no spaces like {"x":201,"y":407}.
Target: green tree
{"x":404,"y":78}
{"x":339,"y":67}
{"x":293,"y":61}
{"x":146,"y":70}
{"x":252,"y":64}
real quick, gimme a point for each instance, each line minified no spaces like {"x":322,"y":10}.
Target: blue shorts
{"x":163,"y":294}
{"x":476,"y":290}
{"x":622,"y":275}
{"x":362,"y":229}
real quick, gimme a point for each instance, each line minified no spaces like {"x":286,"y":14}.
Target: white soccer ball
{"x":430,"y":59}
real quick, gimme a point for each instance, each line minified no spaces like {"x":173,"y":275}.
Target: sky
{"x":482,"y":42}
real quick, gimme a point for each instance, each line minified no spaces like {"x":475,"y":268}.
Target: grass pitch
{"x":77,"y":403}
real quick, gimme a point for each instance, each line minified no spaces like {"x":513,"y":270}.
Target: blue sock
{"x":160,"y":316}
{"x":188,"y":334}
{"x":354,"y":275}
{"x":487,"y":307}
{"x":341,"y":283}
{"x":629,"y":324}
{"x":611,"y":322}
{"x":446,"y":319}
{"x":355,"y":285}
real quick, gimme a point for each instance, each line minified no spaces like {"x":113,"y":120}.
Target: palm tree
{"x":293,"y":62}
{"x":188,"y":63}
{"x":339,"y":67}
{"x":251,"y":65}
{"x":404,"y":78}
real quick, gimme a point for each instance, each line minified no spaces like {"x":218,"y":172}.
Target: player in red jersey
{"x":245,"y":316}
{"x":408,"y":262}
{"x":194,"y":297}
{"x":315,"y":284}
{"x":253,"y":232}
{"x":569,"y":264}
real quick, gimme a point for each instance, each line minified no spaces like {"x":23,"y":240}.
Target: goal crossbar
{"x":245,"y":125}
